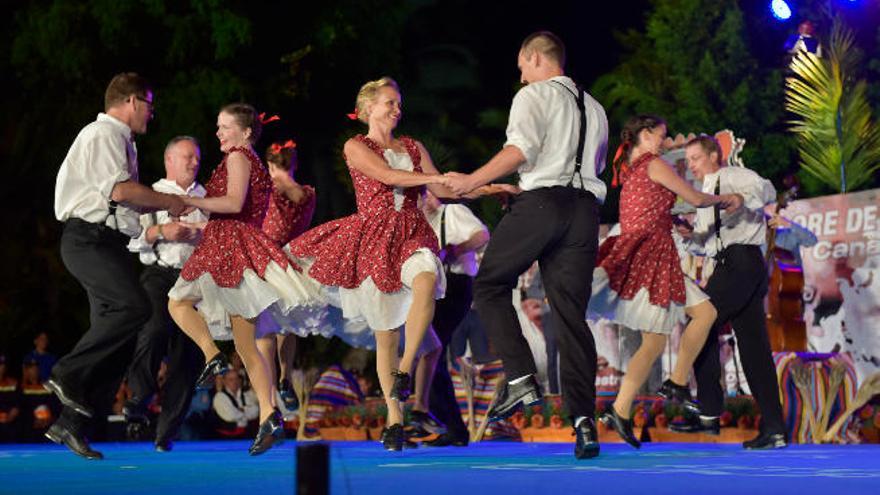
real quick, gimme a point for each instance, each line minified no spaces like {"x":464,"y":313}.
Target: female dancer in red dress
{"x":291,"y":207}
{"x":380,"y":264}
{"x":237,"y":271}
{"x":638,"y":281}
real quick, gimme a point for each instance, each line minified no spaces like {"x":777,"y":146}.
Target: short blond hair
{"x":367,"y":95}
{"x":547,"y":44}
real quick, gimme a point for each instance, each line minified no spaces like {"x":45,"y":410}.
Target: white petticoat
{"x":363,"y":309}
{"x":638,"y":313}
{"x":280,"y":290}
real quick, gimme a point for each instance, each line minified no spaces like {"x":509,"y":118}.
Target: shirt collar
{"x":123,"y":128}
{"x":175,"y":186}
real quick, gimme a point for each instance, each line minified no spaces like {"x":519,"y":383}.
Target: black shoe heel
{"x":623,"y":427}
{"x":217,"y":365}
{"x":392,"y":439}
{"x":270,"y":434}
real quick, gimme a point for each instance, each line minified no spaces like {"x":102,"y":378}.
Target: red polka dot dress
{"x":237,"y":269}
{"x":365,"y":263}
{"x":638,"y":280}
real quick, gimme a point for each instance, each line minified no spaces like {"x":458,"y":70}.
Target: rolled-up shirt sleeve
{"x":525,"y":128}
{"x":755,"y":190}
{"x":109,"y":161}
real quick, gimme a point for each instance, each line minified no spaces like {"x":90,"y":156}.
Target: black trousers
{"x":559,"y":227}
{"x":737,"y":289}
{"x":448,"y":313}
{"x":118,"y":307}
{"x":158,"y":338}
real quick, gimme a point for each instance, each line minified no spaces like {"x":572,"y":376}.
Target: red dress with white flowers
{"x":638,"y":281}
{"x":368,"y":259}
{"x":285,"y":219}
{"x":236,"y":269}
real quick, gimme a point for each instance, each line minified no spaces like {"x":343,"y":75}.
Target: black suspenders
{"x":582,"y":135}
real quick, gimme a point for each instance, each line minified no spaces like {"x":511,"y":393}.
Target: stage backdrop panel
{"x":842,"y":275}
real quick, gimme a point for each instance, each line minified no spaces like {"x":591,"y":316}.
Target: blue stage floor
{"x":510,"y":468}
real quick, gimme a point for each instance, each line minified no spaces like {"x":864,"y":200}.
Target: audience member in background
{"x":45,"y":359}
{"x":39,"y":407}
{"x":236,"y":409}
{"x":9,"y":404}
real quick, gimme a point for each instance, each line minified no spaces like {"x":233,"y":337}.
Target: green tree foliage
{"x":834,"y":124}
{"x":693,"y":65}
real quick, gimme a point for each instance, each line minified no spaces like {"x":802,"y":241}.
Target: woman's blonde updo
{"x":367,"y":95}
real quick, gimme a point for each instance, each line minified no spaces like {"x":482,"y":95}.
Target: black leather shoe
{"x":407,"y":443}
{"x":512,"y":397}
{"x":392,"y":437}
{"x":217,"y":365}
{"x":137,"y":424}
{"x":696,"y":424}
{"x":288,"y":395}
{"x":679,"y":394}
{"x":77,"y":443}
{"x":425,"y":422}
{"x":586,"y":444}
{"x":64,"y":395}
{"x":766,"y":441}
{"x":164,"y":445}
{"x":271,"y":433}
{"x":623,"y":427}
{"x":449,"y":440}
{"x":401,"y":388}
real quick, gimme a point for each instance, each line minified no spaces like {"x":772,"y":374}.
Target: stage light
{"x":780,"y":9}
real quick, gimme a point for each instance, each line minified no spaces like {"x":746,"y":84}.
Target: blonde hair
{"x":545,"y":43}
{"x":367,"y":95}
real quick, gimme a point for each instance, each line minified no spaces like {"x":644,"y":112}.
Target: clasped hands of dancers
{"x":380,"y":265}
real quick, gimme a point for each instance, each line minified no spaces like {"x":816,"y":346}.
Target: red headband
{"x":619,"y":159}
{"x":353,"y":115}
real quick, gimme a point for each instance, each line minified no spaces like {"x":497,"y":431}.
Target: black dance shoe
{"x":586,"y":444}
{"x":449,"y":439}
{"x":392,"y":438}
{"x":679,"y":394}
{"x":65,"y":395}
{"x":288,"y":395}
{"x":407,"y":443}
{"x":513,"y":396}
{"x":422,"y":424}
{"x":163,"y":445}
{"x":696,"y":424}
{"x":765,"y":441}
{"x":271,"y":433}
{"x":401,"y":388}
{"x":76,"y":442}
{"x":217,"y":365}
{"x":137,"y":424}
{"x":623,"y":427}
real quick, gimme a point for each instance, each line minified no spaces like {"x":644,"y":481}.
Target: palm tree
{"x":838,"y":141}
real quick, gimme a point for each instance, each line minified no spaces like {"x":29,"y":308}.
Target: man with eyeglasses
{"x":96,"y":194}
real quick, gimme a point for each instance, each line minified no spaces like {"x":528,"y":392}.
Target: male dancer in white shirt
{"x":95,"y":191}
{"x":164,"y":245}
{"x":737,"y":287}
{"x":557,"y":137}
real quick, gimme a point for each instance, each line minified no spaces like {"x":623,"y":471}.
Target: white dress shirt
{"x":746,"y":225}
{"x":544,"y":124}
{"x":102,"y":155}
{"x":461,"y":225}
{"x":247,"y":409}
{"x":170,"y":254}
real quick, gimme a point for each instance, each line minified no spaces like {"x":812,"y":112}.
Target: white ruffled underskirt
{"x":280,"y":290}
{"x":638,"y":313}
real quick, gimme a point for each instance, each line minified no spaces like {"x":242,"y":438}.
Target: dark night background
{"x":703,"y":64}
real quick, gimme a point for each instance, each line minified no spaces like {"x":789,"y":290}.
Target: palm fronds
{"x":838,"y":142}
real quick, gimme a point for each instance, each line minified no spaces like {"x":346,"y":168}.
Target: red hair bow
{"x":264,"y":120}
{"x":620,"y":160}
{"x":276,"y":148}
{"x":353,"y":115}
